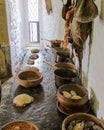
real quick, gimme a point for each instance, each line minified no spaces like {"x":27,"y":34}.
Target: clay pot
{"x":83,"y":117}
{"x":65,"y":76}
{"x":62,"y":56}
{"x":29,"y":78}
{"x":75,"y":104}
{"x":17,"y":123}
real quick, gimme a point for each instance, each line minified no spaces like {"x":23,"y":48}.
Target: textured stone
{"x":43,"y":110}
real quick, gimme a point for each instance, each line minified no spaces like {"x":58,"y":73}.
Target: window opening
{"x":33,"y":21}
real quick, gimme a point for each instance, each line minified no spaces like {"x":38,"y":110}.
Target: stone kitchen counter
{"x":43,"y":111}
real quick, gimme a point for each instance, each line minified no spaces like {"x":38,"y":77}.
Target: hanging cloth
{"x":86,"y":11}
{"x":48,"y":6}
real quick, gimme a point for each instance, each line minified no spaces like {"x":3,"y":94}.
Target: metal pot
{"x":65,"y":76}
{"x":62,"y":56}
{"x":65,"y":65}
{"x":64,"y":73}
{"x":62,"y":65}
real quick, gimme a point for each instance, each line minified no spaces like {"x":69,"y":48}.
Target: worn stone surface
{"x":43,"y":110}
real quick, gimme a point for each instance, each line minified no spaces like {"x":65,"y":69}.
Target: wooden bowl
{"x":83,"y":117}
{"x":74,"y":104}
{"x":19,"y":124}
{"x":29,"y":78}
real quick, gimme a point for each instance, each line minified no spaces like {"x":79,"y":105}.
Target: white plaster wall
{"x":52,"y":26}
{"x":96,"y":73}
{"x":96,"y":68}
{"x":15,"y":29}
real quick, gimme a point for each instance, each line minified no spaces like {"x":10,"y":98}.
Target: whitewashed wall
{"x":15,"y":29}
{"x":94,"y":79}
{"x":52,"y":26}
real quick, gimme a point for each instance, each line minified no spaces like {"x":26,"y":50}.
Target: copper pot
{"x":62,"y":56}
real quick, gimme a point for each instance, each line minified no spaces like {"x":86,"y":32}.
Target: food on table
{"x":72,"y":94}
{"x":76,"y":97}
{"x":66,"y":94}
{"x":83,"y":125}
{"x":22,"y":100}
{"x":79,"y":126}
{"x":19,"y":125}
